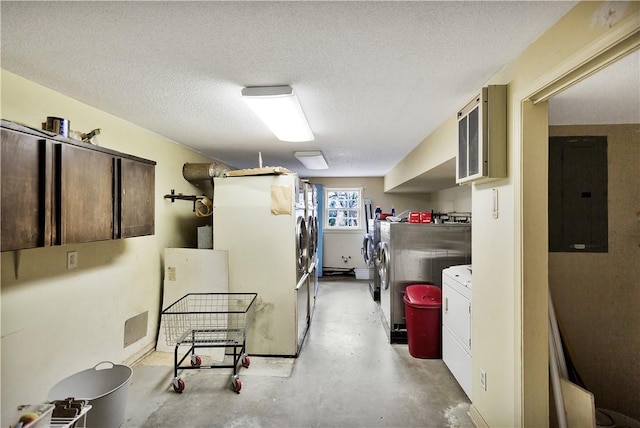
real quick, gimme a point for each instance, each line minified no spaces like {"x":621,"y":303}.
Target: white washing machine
{"x":369,"y":254}
{"x":456,"y":323}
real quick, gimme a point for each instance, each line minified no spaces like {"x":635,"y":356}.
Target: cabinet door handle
{"x":446,"y":305}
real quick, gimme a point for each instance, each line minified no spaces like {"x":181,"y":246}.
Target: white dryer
{"x":261,"y":221}
{"x":456,"y":323}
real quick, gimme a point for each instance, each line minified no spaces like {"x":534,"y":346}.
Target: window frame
{"x":360,"y":209}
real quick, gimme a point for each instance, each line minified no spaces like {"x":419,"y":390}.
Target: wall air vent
{"x":482,"y":136}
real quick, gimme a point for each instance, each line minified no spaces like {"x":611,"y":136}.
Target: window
{"x":343,"y":208}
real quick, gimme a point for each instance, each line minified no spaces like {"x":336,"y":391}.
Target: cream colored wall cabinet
{"x":482,"y":136}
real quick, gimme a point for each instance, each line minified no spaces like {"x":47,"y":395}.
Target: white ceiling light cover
{"x":279,"y":108}
{"x":312,"y":159}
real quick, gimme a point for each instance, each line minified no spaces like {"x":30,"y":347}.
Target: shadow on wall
{"x":596,"y":294}
{"x":22,"y":266}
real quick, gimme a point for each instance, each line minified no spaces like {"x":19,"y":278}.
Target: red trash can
{"x":423,"y":305}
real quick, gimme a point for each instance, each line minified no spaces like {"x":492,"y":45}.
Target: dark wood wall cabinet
{"x":58,"y":191}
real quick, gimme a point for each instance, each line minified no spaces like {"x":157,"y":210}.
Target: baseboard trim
{"x":136,"y":358}
{"x":477,"y":418}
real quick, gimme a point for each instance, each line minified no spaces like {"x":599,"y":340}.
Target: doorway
{"x":595,"y":289}
{"x":537,"y":267}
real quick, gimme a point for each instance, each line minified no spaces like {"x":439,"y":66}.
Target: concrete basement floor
{"x":347,"y":375}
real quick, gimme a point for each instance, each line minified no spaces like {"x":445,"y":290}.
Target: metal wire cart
{"x":209,"y":320}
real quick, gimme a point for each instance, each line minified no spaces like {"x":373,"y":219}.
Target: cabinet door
{"x":26,"y":182}
{"x":137,"y":201}
{"x":86,"y":194}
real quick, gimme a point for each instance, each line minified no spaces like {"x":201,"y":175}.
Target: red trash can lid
{"x":423,"y":296}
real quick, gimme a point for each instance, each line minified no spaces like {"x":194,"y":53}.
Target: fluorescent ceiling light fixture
{"x":279,"y":109}
{"x":312,"y":159}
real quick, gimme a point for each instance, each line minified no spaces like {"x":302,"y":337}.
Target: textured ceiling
{"x":374,"y":78}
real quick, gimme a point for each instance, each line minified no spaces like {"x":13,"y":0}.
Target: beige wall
{"x":597,"y":294}
{"x":509,"y":253}
{"x":57,"y":322}
{"x":348,"y":244}
{"x":456,"y":199}
{"x":438,"y":148}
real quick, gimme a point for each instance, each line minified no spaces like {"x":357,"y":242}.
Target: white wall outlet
{"x":483,"y":379}
{"x":72,"y":260}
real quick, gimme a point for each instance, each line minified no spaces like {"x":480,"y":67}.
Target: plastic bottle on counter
{"x":393,"y":211}
{"x":378,"y":212}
